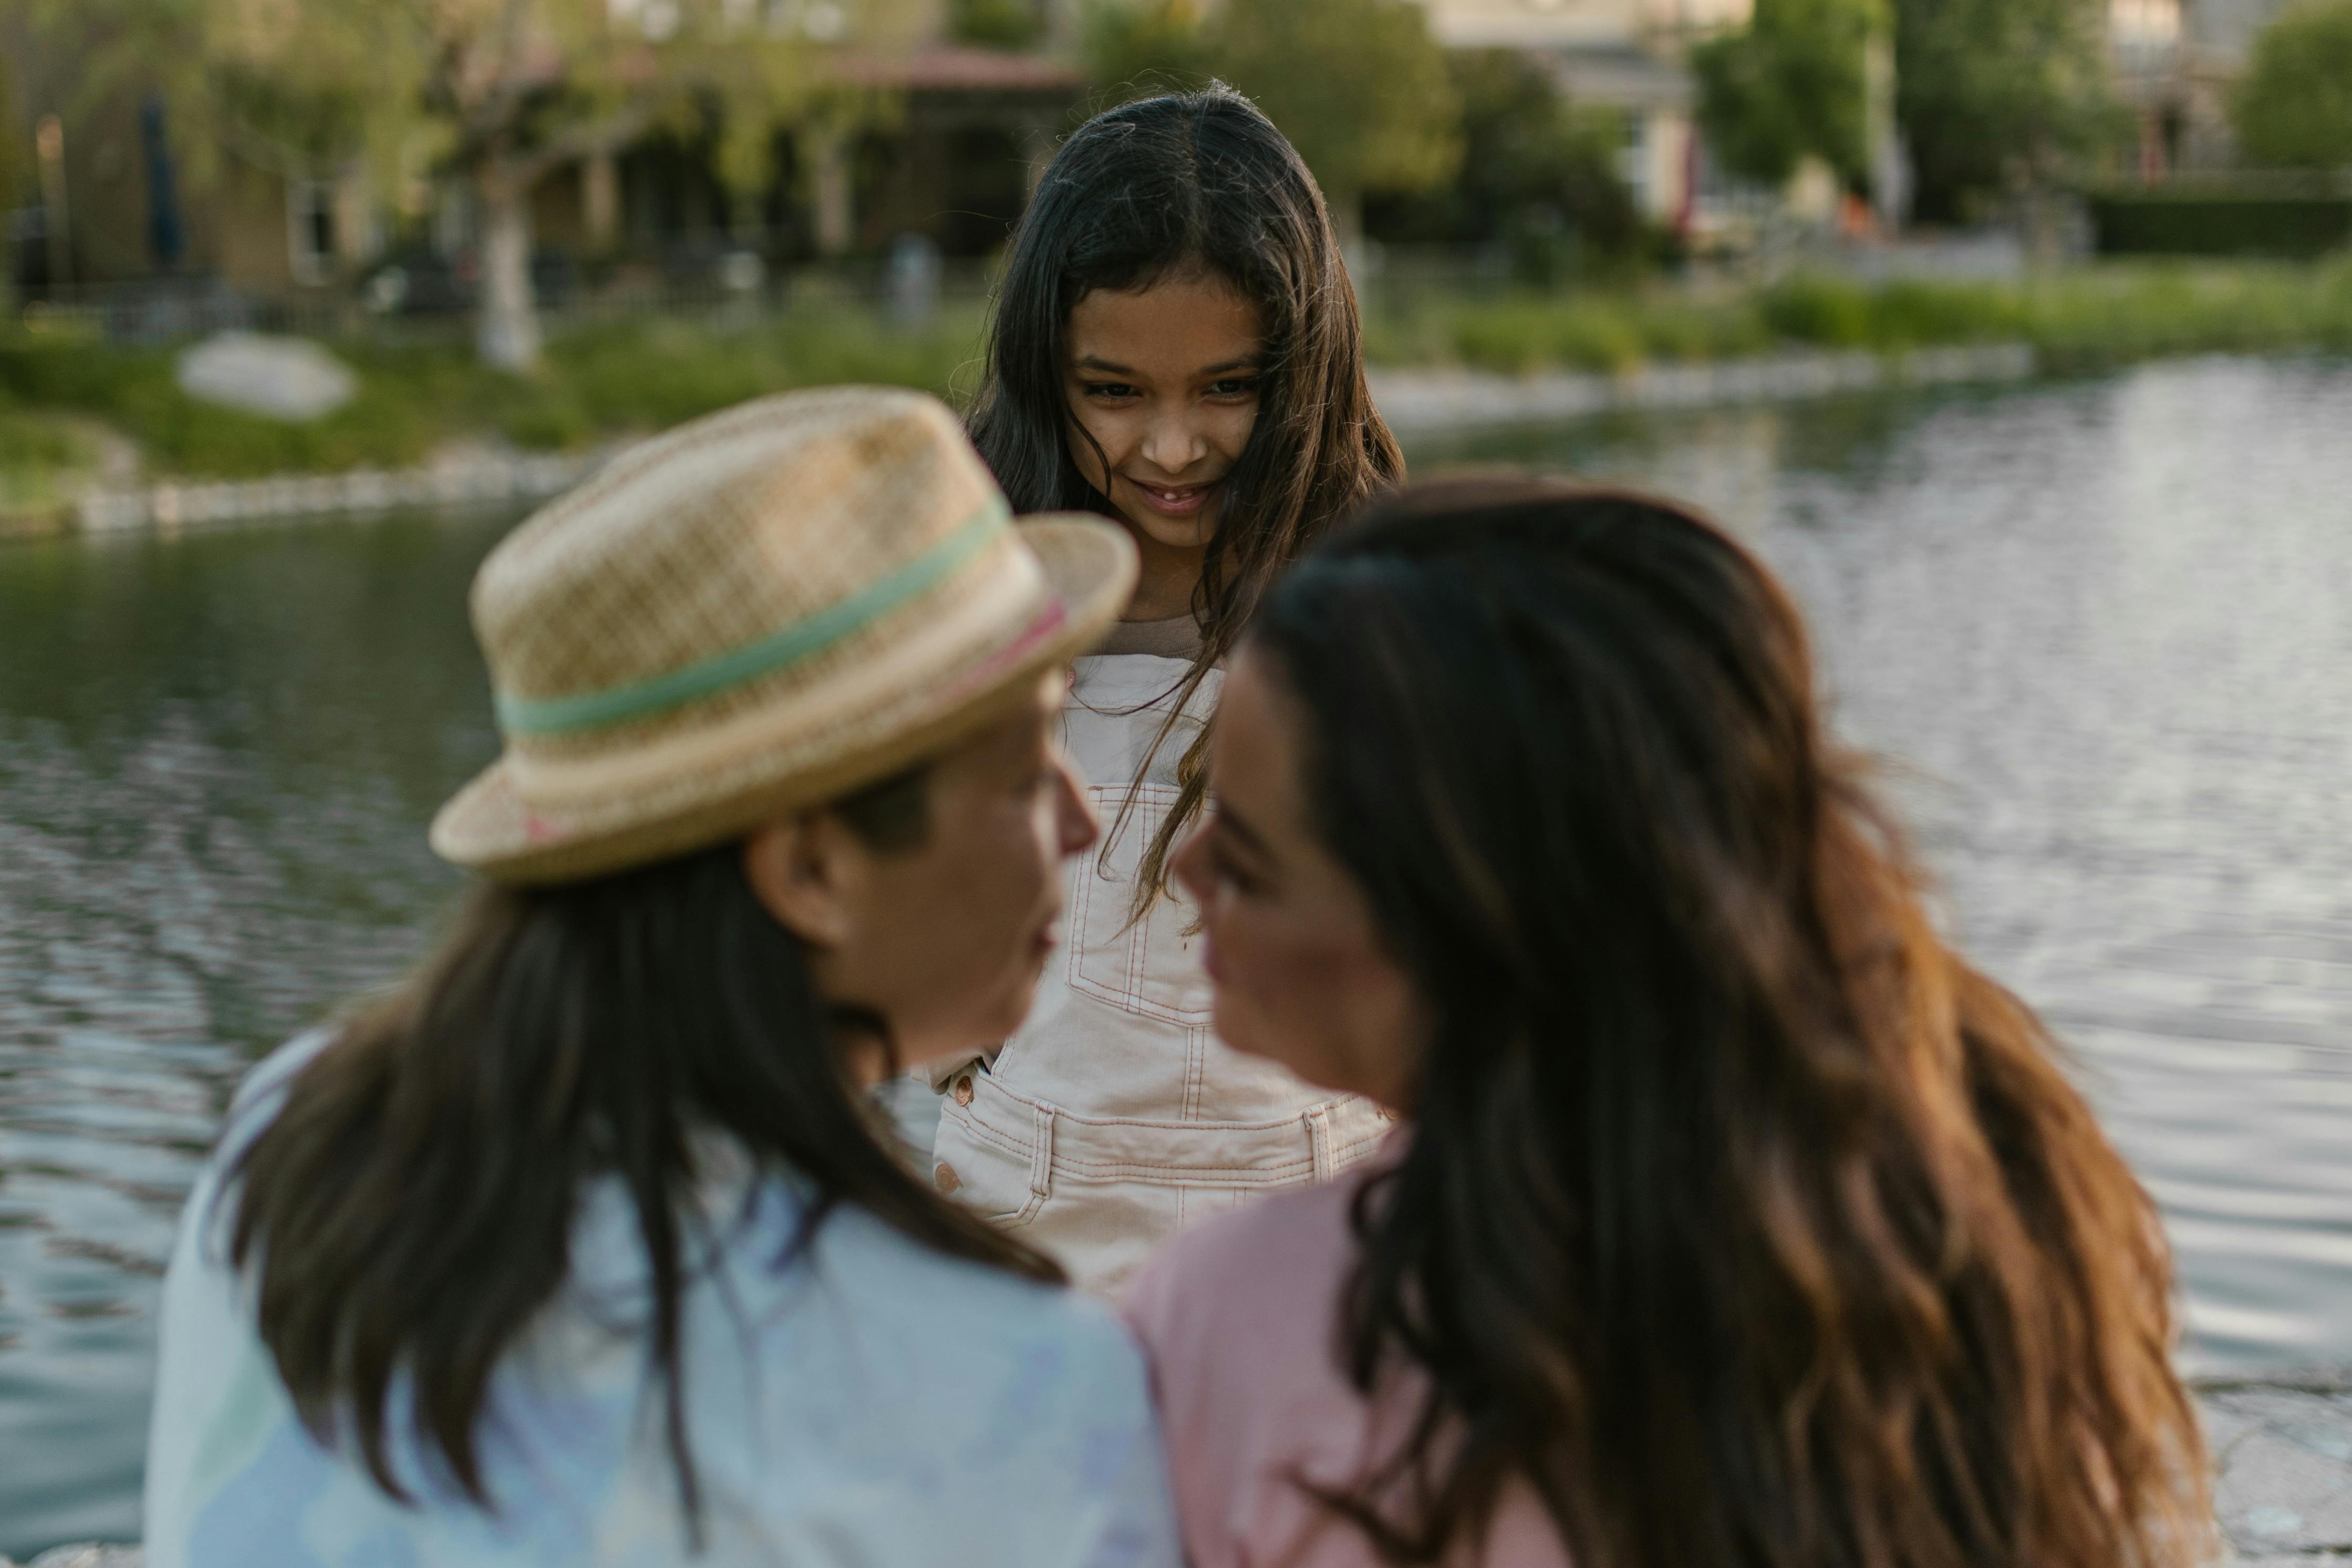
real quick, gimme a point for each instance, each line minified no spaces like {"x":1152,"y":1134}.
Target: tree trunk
{"x":506,"y":332}
{"x":836,"y":219}
{"x":599,"y":200}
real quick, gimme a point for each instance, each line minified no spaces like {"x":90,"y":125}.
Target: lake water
{"x":2101,"y":632}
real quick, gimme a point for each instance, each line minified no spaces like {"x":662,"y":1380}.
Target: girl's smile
{"x":1173,"y":501}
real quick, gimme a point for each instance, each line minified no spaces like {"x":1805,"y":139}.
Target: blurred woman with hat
{"x":580,"y":1246}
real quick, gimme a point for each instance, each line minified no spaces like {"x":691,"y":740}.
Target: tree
{"x":1359,"y":86}
{"x":1136,"y":47}
{"x":2294,"y":107}
{"x":500,"y":93}
{"x":15,"y":175}
{"x":1995,"y":93}
{"x":996,"y":23}
{"x":1539,"y":173}
{"x":1792,"y":84}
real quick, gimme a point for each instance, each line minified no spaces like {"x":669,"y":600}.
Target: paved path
{"x":2283,"y":1447}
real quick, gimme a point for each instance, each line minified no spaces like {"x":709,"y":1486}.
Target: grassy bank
{"x":58,"y":394}
{"x":598,"y":382}
{"x":2078,"y":319}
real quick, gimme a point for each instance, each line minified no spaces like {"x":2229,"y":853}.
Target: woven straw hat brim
{"x":1088,"y":564}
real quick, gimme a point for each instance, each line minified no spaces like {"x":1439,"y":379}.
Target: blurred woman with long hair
{"x":1733,"y":1217}
{"x":580,"y":1246}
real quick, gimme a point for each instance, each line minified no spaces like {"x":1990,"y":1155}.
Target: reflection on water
{"x":215,"y":754}
{"x":2102,"y":634}
{"x":2104,"y":631}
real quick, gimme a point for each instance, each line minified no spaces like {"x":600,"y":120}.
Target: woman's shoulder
{"x":961,"y":1311}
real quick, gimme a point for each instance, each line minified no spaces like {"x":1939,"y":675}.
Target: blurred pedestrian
{"x":1176,"y":346}
{"x":1734,"y":1218}
{"x":580,"y":1246}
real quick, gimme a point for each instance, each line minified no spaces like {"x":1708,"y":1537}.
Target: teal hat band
{"x":786,"y":646}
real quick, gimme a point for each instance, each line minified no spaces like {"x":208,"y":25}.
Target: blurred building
{"x":968,"y":130}
{"x":2176,"y":62}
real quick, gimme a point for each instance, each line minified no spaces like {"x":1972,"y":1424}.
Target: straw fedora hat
{"x":765,"y":609}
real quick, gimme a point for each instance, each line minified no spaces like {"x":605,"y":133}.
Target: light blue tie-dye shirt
{"x":874,"y":1404}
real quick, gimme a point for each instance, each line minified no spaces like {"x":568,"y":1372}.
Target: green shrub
{"x":2162,"y":223}
{"x":1835,"y":314}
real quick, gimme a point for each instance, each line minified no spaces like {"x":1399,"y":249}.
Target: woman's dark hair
{"x":1170,"y":186}
{"x":1742,"y":1220}
{"x":410,"y":1209}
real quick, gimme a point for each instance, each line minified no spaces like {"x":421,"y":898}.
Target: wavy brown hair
{"x":1743,"y":1221}
{"x":1192,"y":182}
{"x":409,"y":1210}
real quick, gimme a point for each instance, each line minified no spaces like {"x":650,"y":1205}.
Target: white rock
{"x":291,"y":379}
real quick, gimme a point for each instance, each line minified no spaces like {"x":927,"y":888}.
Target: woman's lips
{"x":1174,"y":501}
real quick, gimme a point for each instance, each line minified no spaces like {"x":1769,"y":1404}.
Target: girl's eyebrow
{"x":1096,"y":363}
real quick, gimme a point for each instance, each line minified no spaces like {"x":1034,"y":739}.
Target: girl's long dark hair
{"x":1157,"y":188}
{"x":410,"y":1209}
{"x":1742,"y":1220}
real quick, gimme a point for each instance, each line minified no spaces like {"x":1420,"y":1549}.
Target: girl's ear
{"x":806,"y":870}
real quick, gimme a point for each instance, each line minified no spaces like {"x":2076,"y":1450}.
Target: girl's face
{"x":1301,"y":971}
{"x":1165,"y":380}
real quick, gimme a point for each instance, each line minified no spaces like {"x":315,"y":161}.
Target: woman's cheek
{"x":1245,"y":1007}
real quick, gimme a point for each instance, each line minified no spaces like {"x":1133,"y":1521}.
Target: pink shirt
{"x":1238,"y":1317}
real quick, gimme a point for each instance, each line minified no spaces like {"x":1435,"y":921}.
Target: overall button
{"x":962,"y":1093}
{"x":943,"y":1176}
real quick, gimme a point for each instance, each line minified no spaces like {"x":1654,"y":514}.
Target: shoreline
{"x":1447,"y":400}
{"x":1417,"y":401}
{"x":2282,"y":1448}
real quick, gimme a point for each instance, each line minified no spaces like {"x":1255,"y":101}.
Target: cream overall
{"x":1115,"y":1117}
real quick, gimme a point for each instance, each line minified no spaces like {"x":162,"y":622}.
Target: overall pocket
{"x":1150,"y":967}
{"x":980,"y":1170}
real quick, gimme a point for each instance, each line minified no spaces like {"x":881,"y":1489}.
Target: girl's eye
{"x":1246,"y":386}
{"x":1109,"y":390}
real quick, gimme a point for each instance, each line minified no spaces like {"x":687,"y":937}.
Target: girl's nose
{"x":1171,"y":445}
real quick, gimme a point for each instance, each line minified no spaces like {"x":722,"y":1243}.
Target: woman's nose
{"x":1184,"y":865}
{"x":1079,"y":830}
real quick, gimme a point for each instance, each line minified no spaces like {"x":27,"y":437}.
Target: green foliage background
{"x":1538,"y":175}
{"x":1996,"y":94}
{"x":1359,"y":86}
{"x":1789,"y":85}
{"x":2294,"y":107}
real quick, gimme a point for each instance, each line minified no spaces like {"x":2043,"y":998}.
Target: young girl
{"x":580,"y":1248}
{"x":1176,"y":345}
{"x":1736,"y":1219}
